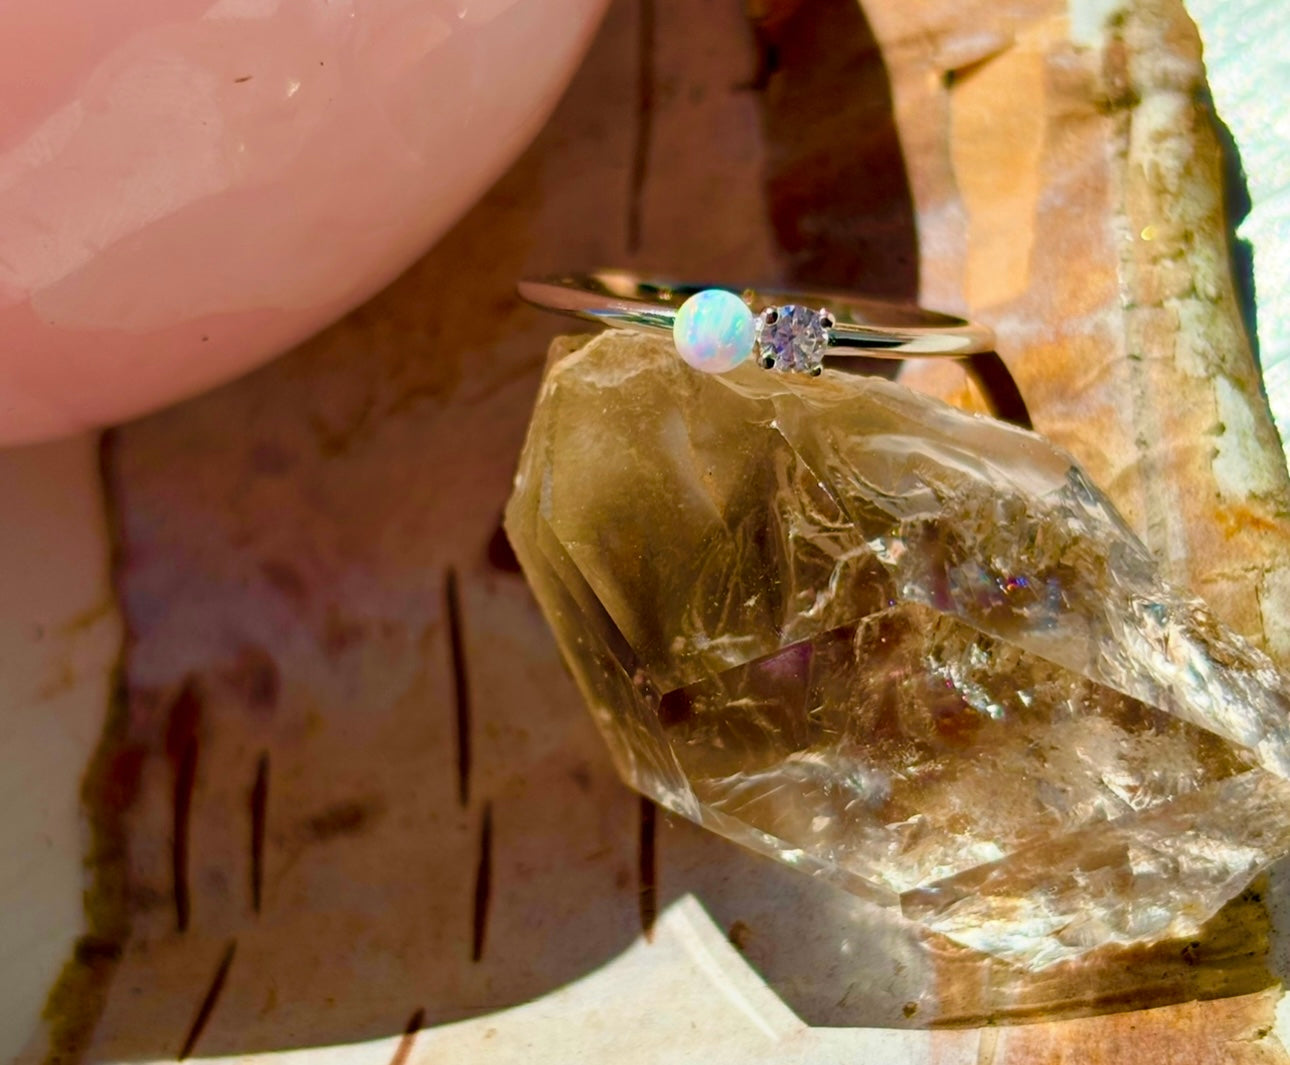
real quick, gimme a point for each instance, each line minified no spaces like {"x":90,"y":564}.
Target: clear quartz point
{"x":904,"y":648}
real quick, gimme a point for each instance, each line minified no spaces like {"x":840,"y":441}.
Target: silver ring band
{"x":859,"y":326}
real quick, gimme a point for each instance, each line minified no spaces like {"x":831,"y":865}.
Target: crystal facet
{"x":792,"y":338}
{"x":897,"y":646}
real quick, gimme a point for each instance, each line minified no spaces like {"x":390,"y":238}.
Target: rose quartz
{"x":188,"y":188}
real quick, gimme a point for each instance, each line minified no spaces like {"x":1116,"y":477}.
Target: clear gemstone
{"x":791,"y":338}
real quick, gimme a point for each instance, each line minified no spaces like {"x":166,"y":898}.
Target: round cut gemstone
{"x":714,"y":330}
{"x":792,"y":338}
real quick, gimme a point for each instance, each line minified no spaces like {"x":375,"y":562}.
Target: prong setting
{"x":792,"y":338}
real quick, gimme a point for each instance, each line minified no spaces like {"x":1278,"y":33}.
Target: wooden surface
{"x":348,"y":797}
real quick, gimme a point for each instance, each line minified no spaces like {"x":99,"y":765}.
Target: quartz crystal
{"x":188,"y":187}
{"x":908,"y":649}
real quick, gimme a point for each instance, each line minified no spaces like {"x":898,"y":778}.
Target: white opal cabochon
{"x":714,"y":331}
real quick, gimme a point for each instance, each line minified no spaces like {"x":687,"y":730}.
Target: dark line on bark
{"x":483,"y":886}
{"x":415,"y":1023}
{"x":259,"y":815}
{"x":766,"y":52}
{"x":647,"y":867}
{"x":210,"y":1001}
{"x":644,"y":122}
{"x":461,"y":684}
{"x":185,"y":781}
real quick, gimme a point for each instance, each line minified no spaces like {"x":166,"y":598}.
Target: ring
{"x":716,"y":328}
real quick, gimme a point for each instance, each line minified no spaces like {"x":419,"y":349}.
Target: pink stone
{"x":187,"y":188}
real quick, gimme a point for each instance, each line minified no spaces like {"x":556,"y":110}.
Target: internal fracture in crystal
{"x":897,"y":646}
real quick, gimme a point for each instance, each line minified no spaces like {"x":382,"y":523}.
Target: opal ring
{"x":717,"y":328}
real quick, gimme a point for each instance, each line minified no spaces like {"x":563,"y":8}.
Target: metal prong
{"x":815,"y":371}
{"x":768,"y":362}
{"x":770,"y":316}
